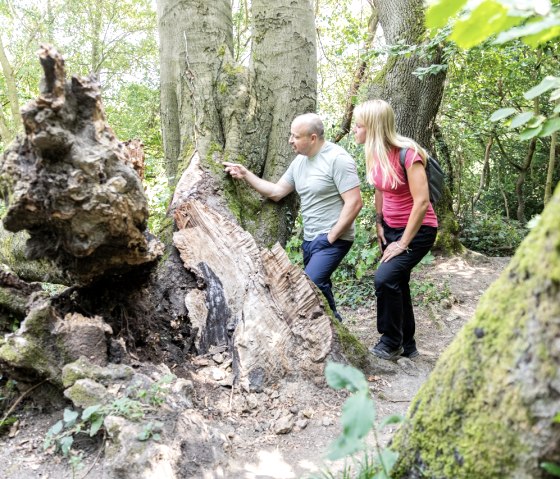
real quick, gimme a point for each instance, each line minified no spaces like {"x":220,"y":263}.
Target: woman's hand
{"x":392,"y":250}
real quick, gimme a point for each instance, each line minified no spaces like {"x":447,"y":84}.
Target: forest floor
{"x":447,"y":291}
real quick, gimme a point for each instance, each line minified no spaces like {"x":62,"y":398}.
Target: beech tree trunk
{"x":415,"y":101}
{"x":488,"y":409}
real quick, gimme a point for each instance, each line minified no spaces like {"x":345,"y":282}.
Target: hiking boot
{"x":410,"y":354}
{"x":381,"y":350}
{"x":338,"y":316}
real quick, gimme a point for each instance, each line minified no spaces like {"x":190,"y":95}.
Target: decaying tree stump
{"x":70,"y":183}
{"x":250,"y":298}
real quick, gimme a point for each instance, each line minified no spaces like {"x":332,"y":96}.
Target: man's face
{"x":302,"y":142}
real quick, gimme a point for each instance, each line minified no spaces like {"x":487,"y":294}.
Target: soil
{"x":448,"y":291}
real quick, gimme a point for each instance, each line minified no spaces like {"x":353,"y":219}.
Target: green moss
{"x":356,"y":353}
{"x":448,"y":235}
{"x":184,"y":159}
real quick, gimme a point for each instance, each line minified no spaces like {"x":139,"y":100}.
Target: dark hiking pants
{"x":320,"y":259}
{"x":395,"y":317}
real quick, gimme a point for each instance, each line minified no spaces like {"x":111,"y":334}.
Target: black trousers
{"x":320,"y":259}
{"x":395,"y":317}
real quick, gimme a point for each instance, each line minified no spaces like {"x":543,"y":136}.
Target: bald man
{"x":325,"y":177}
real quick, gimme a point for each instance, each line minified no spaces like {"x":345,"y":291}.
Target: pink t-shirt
{"x":398,"y":202}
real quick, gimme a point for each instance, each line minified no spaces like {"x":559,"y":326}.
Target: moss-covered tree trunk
{"x":236,"y":112}
{"x":488,"y":408}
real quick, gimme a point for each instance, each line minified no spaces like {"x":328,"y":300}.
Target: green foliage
{"x":60,"y":437}
{"x":492,"y":234}
{"x":540,"y":23}
{"x":427,"y":292}
{"x":157,"y":392}
{"x":358,"y":417}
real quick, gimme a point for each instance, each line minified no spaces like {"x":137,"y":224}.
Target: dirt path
{"x":310,"y":412}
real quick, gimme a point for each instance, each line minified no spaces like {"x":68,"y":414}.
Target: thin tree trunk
{"x":11,"y":89}
{"x":358,"y":78}
{"x":521,"y":180}
{"x":550,"y":171}
{"x":485,"y":175}
{"x":445,"y":157}
{"x":501,"y":186}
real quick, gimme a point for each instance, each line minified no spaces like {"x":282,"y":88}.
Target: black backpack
{"x":435,"y":175}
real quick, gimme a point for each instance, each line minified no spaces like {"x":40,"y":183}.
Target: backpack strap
{"x":402,"y":157}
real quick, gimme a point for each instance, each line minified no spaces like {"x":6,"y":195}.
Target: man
{"x":325,"y":177}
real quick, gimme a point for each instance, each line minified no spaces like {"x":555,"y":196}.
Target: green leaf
{"x":533,"y":33}
{"x":542,"y":37}
{"x":551,"y":468}
{"x":487,"y":19}
{"x":550,"y":126}
{"x":86,"y":414}
{"x":546,"y":84}
{"x":521,"y":119}
{"x":65,"y":445}
{"x":95,"y":425}
{"x":555,"y":95}
{"x":358,"y":414}
{"x":502,"y":113}
{"x":389,"y":457}
{"x":530,"y":133}
{"x":70,"y":416}
{"x":341,"y":376}
{"x":57,"y":428}
{"x":342,"y":447}
{"x":439,"y":12}
{"x":556,"y":418}
{"x":392,"y":419}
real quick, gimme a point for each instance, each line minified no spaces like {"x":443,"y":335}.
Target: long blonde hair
{"x":378,"y":118}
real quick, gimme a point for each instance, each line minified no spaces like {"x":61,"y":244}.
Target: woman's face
{"x":359,"y":133}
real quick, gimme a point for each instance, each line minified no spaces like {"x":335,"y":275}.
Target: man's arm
{"x":273,"y":191}
{"x":352,"y":206}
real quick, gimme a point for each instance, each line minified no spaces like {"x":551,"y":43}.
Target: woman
{"x":406,"y":222}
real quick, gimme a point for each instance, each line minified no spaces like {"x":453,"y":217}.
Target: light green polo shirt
{"x":319,"y":181}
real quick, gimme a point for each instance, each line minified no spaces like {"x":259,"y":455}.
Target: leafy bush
{"x":492,"y":235}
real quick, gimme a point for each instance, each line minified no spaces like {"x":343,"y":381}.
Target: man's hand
{"x":235,"y":170}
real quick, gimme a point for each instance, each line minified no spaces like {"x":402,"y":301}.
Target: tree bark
{"x":416,"y":102}
{"x":231,"y":112}
{"x":521,"y":180}
{"x":71,"y":184}
{"x":550,"y":169}
{"x":488,"y":408}
{"x":484,"y":175}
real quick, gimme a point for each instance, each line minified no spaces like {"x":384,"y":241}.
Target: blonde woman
{"x":406,"y":222}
